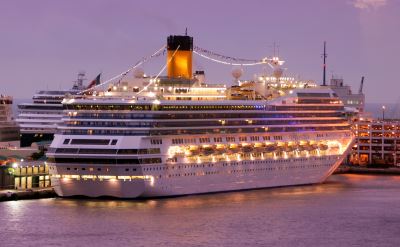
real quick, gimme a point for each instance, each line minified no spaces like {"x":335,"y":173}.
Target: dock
{"x":11,"y":195}
{"x":351,"y":169}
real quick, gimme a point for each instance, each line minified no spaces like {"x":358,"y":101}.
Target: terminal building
{"x":24,"y":175}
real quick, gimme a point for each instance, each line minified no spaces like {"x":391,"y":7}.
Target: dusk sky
{"x":45,"y":43}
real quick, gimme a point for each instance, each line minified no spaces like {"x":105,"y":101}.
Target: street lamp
{"x":383,"y":112}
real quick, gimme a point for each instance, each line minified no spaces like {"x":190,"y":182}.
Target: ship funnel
{"x":180,"y":65}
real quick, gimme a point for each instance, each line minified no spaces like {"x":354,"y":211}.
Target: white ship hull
{"x":215,"y":177}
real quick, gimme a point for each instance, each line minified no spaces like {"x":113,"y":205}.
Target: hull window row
{"x":198,"y":131}
{"x":90,"y":141}
{"x":81,"y":115}
{"x":164,"y":107}
{"x":106,"y":161}
{"x":104,"y":151}
{"x":199,"y":107}
{"x":200,"y":123}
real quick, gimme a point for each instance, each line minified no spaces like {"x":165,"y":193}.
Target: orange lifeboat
{"x":247,"y":148}
{"x":234,"y":148}
{"x":208,"y":150}
{"x":270,"y":148}
{"x":323,"y":146}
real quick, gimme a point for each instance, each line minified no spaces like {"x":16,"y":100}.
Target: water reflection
{"x":334,"y":213}
{"x":215,"y":199}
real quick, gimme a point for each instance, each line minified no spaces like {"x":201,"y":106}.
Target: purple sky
{"x":44,"y":43}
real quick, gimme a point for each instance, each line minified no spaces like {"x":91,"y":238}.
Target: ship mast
{"x":324,"y":55}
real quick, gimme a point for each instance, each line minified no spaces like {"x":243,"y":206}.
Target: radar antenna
{"x":78,"y":84}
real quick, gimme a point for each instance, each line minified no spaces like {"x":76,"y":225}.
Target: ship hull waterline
{"x":290,"y":172}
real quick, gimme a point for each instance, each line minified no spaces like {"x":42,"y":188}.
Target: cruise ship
{"x":38,"y":119}
{"x":177,"y":135}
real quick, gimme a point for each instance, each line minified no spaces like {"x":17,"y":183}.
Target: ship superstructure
{"x":176,"y":135}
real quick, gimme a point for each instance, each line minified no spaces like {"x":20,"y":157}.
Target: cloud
{"x":368,"y":4}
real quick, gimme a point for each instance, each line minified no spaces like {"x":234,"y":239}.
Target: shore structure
{"x":17,"y":170}
{"x":9,"y":131}
{"x":377,"y":143}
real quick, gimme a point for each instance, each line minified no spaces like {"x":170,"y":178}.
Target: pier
{"x":10,"y":195}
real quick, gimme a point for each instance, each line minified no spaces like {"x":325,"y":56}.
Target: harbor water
{"x":347,"y":210}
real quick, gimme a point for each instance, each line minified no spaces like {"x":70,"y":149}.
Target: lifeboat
{"x":220,"y":150}
{"x":323,"y":146}
{"x":208,"y":151}
{"x":335,"y":146}
{"x":234,"y":149}
{"x":309,"y":147}
{"x":280,"y":149}
{"x":302,"y":147}
{"x":284,"y":148}
{"x":259,"y":149}
{"x":270,"y":148}
{"x":296,"y":147}
{"x":247,"y":148}
{"x":194,"y":152}
{"x":179,"y":154}
{"x":290,"y":148}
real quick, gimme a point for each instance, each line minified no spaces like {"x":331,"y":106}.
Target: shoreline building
{"x":9,"y":130}
{"x":377,"y":142}
{"x":11,"y":154}
{"x":19,"y":174}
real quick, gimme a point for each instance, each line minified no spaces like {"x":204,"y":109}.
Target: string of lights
{"x":228,"y":63}
{"x":256,"y":62}
{"x":140,"y":62}
{"x":159,"y":73}
{"x":224,"y":57}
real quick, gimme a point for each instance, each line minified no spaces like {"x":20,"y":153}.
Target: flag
{"x":95,"y":82}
